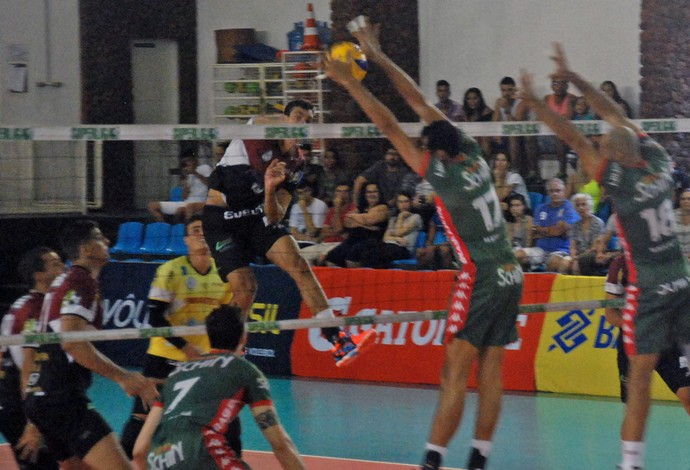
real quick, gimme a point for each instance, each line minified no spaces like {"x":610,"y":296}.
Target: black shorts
{"x":69,"y":424}
{"x":671,"y":368}
{"x":12,"y":420}
{"x":235,"y":242}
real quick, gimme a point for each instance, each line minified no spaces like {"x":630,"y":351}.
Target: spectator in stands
{"x":333,"y":231}
{"x":449,"y":107}
{"x":681,"y":180}
{"x":552,"y":221}
{"x":506,"y":180}
{"x":194,"y":191}
{"x":423,"y":204}
{"x":399,"y":239}
{"x":563,"y":104}
{"x":330,"y":175}
{"x":519,"y":227}
{"x":475,"y":109}
{"x":390,"y":175}
{"x":610,"y":89}
{"x":307,"y":216}
{"x":219,"y":150}
{"x":683,"y":222}
{"x":583,"y":236}
{"x":579,"y":182}
{"x":368,"y":221}
{"x":581,"y":111}
{"x":510,"y":108}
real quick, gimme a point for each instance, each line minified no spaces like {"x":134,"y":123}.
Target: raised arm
{"x":563,"y":128}
{"x":600,"y":103}
{"x":368,"y":37}
{"x":380,"y":115}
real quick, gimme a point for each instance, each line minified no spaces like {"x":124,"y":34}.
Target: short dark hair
{"x":75,"y":235}
{"x":442,"y":83}
{"x":507,"y":81}
{"x":297,"y":104}
{"x":189,"y":221}
{"x":32,"y":263}
{"x":443,"y":135}
{"x":225,"y":327}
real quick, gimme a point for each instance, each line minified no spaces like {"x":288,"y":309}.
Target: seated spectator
{"x":475,"y":109}
{"x":681,"y":181}
{"x":563,"y":103}
{"x":683,"y":222}
{"x":333,"y":231}
{"x":194,"y":191}
{"x":610,"y":89}
{"x":368,"y":221}
{"x":331,"y":174}
{"x":519,"y":227}
{"x":579,"y":182}
{"x":424,"y":205}
{"x":390,"y":175}
{"x":581,"y":111}
{"x":510,"y":108}
{"x":307,"y":216}
{"x":552,"y":221}
{"x":506,"y":180}
{"x":450,"y":108}
{"x":398,"y":242}
{"x":583,"y":235}
{"x":219,"y":150}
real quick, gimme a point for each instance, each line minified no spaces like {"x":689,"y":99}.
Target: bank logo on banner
{"x":573,"y":330}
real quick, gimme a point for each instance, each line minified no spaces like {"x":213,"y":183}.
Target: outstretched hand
{"x":562,"y":69}
{"x":338,"y":71}
{"x":527,"y":87}
{"x":367,"y":35}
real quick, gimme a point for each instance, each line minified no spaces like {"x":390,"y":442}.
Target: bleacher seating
{"x":176,"y":194}
{"x":176,"y":246}
{"x":129,"y":238}
{"x":535,"y":199}
{"x":156,"y":239}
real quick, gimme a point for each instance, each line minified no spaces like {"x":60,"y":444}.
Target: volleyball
{"x":339,"y":52}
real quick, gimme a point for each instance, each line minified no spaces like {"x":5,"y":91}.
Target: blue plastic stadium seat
{"x":177,"y":245}
{"x":176,"y":193}
{"x":440,"y":237}
{"x":129,"y":236}
{"x":535,"y":199}
{"x":156,"y":239}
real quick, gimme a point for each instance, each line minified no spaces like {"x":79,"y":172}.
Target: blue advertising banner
{"x":125,"y":288}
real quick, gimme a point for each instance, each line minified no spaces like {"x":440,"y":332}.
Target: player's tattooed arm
{"x":266,"y":419}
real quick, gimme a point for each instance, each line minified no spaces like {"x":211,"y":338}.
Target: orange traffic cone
{"x":311,"y":34}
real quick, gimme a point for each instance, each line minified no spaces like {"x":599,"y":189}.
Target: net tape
{"x":253,"y":327}
{"x":310,"y":131}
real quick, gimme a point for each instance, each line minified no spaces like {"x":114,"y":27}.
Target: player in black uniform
{"x":38,"y":268}
{"x":56,"y":399}
{"x":250,"y":191}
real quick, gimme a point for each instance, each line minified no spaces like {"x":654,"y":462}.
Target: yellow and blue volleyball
{"x":360,"y":65}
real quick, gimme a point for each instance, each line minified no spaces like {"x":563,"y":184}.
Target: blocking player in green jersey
{"x":484,"y":303}
{"x":635,"y":171}
{"x":188,"y":428}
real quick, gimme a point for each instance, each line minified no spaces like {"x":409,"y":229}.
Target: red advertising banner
{"x":407,"y":352}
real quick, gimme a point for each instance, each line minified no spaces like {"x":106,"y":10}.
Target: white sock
{"x":686,"y":351}
{"x":328,"y":313}
{"x":434,"y":447}
{"x":484,"y":447}
{"x":633,"y":454}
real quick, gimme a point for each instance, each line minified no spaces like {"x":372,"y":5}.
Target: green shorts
{"x":484,"y":307}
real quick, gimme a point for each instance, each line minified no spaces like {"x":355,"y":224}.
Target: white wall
{"x":22,"y":22}
{"x":478,"y":42}
{"x":467,"y":42}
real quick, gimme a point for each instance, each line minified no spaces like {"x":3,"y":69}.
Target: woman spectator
{"x":398,"y":242}
{"x":519,"y":227}
{"x":369,"y":221}
{"x":583,"y":235}
{"x":683,"y":222}
{"x":610,"y":89}
{"x":475,"y":109}
{"x":507,"y":181}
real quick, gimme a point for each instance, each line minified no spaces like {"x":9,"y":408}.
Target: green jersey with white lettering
{"x":470,"y":208}
{"x":641,"y":198}
{"x":200,"y":398}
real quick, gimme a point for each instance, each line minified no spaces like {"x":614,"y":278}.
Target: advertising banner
{"x":577,"y":348}
{"x":407,"y":352}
